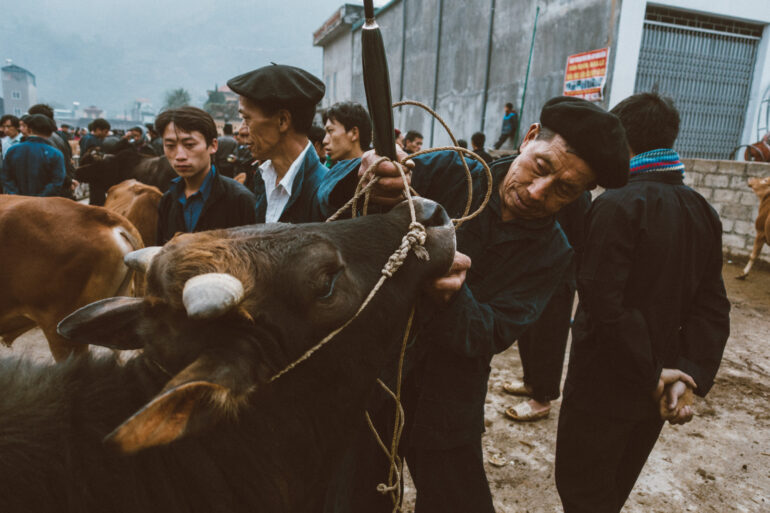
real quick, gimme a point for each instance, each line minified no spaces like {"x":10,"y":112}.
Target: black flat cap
{"x":595,"y":134}
{"x":279,"y":83}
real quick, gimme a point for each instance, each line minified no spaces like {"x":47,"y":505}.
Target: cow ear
{"x":168,"y":417}
{"x":109,"y":322}
{"x":212,"y":387}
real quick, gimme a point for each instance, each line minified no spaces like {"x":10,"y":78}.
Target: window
{"x":17,"y":112}
{"x":16,"y":95}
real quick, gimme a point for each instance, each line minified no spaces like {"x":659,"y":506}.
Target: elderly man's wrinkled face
{"x":265,"y":131}
{"x":545,"y":177}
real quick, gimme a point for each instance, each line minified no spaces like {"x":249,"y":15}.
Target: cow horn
{"x":141,"y":259}
{"x":210,"y":295}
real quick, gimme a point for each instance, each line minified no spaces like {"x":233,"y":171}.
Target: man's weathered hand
{"x":389,"y":190}
{"x":676,"y":409}
{"x":670,"y":376}
{"x":443,"y":289}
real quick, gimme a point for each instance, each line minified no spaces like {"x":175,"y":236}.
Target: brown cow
{"x":57,"y":255}
{"x":761,"y":187}
{"x":138,"y":203}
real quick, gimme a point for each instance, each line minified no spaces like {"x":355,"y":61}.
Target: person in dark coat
{"x":653,"y":317}
{"x":200,"y":198}
{"x":542,"y":346}
{"x":519,"y":255}
{"x":34,"y":167}
{"x":225,"y":155}
{"x":477,"y":143}
{"x":62,"y":145}
{"x":278,"y":103}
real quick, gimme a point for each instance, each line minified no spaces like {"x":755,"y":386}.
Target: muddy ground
{"x":719,"y":462}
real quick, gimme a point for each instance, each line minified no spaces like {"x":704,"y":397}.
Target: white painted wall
{"x":630,"y":39}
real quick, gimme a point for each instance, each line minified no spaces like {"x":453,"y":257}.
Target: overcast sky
{"x":108,"y":53}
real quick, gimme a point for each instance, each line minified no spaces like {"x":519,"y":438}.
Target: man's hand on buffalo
{"x":389,"y":190}
{"x":444,"y":289}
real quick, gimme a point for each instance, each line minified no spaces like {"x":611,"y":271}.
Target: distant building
{"x":19,"y":89}
{"x":222,"y":104}
{"x":468,"y":59}
{"x":142,"y":111}
{"x":93,"y":112}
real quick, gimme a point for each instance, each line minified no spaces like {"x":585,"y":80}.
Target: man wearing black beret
{"x":653,"y":318}
{"x":510,"y":260}
{"x":278,"y":103}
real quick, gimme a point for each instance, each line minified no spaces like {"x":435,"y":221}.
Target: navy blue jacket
{"x":304,"y":204}
{"x":229,"y":204}
{"x":651,"y":296}
{"x":33,"y":167}
{"x":516,"y":267}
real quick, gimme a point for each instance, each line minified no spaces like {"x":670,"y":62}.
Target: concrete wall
{"x":564,"y":27}
{"x":724,"y":184}
{"x":336,"y":70}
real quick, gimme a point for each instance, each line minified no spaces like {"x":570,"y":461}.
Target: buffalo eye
{"x":329,"y":281}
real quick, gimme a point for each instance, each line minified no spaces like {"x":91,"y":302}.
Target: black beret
{"x":40,"y":123}
{"x":279,"y":83}
{"x":596,"y":135}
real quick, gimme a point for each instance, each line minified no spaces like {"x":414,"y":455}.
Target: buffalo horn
{"x":210,"y":295}
{"x":141,"y":259}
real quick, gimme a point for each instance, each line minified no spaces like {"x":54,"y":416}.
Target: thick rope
{"x":414,"y":240}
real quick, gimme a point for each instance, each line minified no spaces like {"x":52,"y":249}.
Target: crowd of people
{"x":644,"y":259}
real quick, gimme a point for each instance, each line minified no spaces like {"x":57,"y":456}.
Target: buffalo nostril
{"x":430,"y":213}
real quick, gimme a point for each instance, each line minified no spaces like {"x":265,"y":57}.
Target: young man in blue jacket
{"x":200,"y":198}
{"x":34,"y":167}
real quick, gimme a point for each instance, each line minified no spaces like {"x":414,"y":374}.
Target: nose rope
{"x":413,"y":240}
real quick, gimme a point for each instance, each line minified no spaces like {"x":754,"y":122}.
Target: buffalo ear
{"x":212,"y":387}
{"x":166,"y":418}
{"x":110,"y":322}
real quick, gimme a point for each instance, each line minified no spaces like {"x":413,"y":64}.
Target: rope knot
{"x":414,"y":240}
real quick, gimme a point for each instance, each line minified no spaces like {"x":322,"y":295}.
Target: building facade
{"x":467,"y":58}
{"x":19,"y":89}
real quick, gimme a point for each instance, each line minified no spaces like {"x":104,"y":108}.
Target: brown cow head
{"x":226,"y":310}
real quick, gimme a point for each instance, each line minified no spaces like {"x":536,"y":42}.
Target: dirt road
{"x":720,"y":462}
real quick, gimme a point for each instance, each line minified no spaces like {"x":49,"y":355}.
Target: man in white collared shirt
{"x":278,"y":103}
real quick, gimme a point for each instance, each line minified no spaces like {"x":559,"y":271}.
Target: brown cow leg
{"x":60,"y":347}
{"x":758,"y":243}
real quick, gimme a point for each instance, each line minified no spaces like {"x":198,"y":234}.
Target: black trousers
{"x":542,"y":346}
{"x":598,"y":458}
{"x":449,"y":480}
{"x":503,"y":138}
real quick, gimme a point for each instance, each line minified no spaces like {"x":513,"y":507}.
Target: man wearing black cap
{"x":519,"y":255}
{"x":278,"y":103}
{"x":653,"y":318}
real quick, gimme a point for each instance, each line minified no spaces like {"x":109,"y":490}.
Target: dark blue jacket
{"x":516,"y":267}
{"x":34,"y":167}
{"x":304,"y":204}
{"x":228,"y":204}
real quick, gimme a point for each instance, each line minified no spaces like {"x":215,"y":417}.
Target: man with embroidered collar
{"x":278,"y":104}
{"x":200,"y":198}
{"x":653,"y":317}
{"x":516,"y":256}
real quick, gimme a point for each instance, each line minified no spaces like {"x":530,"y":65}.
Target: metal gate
{"x":706,"y":65}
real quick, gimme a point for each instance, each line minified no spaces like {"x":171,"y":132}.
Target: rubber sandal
{"x":523,"y":412}
{"x":516,"y":387}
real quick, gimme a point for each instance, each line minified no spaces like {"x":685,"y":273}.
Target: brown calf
{"x":761,"y":187}
{"x":139,"y":204}
{"x":57,"y":255}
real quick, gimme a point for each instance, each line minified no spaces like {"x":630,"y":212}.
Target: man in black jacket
{"x":200,"y":198}
{"x":653,"y":317}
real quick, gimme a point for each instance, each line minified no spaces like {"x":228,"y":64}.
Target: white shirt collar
{"x":269,"y":174}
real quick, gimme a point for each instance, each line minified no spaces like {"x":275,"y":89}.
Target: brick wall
{"x":724,"y":184}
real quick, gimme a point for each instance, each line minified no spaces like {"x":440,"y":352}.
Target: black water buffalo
{"x":193,"y":423}
{"x":103,"y":170}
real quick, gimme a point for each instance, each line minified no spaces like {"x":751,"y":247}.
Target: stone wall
{"x":724,"y":184}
